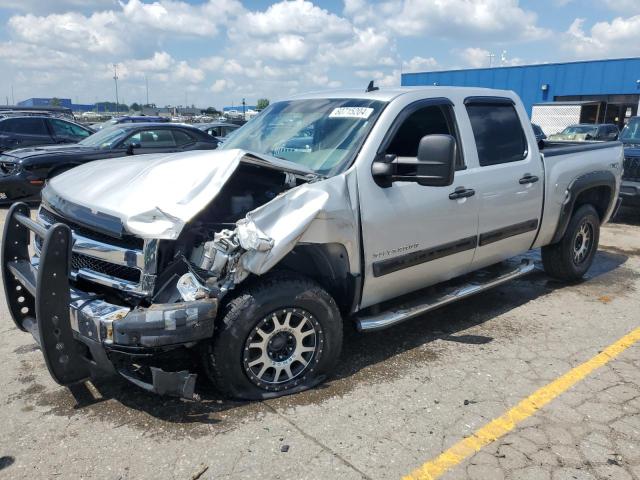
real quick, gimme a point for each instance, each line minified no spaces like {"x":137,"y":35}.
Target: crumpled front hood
{"x":153,"y":195}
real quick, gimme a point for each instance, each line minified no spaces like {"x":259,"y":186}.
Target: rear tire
{"x":279,"y":335}
{"x":572,"y":256}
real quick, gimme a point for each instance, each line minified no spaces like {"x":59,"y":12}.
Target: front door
{"x":414,"y":236}
{"x":511,"y":181}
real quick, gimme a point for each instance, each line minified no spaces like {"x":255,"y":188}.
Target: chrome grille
{"x":127,"y":264}
{"x":124,"y":242}
{"x":631,"y":168}
{"x":129,"y":274}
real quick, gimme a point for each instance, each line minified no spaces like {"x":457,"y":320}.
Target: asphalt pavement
{"x":401,"y":401}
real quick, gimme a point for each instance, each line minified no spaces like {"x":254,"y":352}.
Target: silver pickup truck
{"x":326,"y":208}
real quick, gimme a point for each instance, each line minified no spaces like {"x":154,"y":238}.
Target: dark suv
{"x":130,"y":119}
{"x":27,"y":131}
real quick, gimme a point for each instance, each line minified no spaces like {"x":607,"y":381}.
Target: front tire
{"x":281,"y":334}
{"x":572,"y":256}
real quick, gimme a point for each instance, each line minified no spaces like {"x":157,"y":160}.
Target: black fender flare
{"x":603,"y":178}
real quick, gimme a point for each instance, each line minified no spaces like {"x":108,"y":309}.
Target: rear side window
{"x":28,"y":126}
{"x":498,"y":133}
{"x":152,"y":139}
{"x":182,"y":138}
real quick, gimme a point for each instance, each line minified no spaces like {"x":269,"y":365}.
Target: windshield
{"x":320,"y":134}
{"x":105,"y":138}
{"x":631,"y":131}
{"x":579,"y":130}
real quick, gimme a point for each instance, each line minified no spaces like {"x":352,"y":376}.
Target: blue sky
{"x":216,"y":52}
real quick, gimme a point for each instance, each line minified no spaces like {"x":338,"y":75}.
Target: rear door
{"x":25,"y":132}
{"x":511,"y":181}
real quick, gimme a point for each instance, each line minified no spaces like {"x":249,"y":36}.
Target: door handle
{"x":462,"y":192}
{"x":528,"y":178}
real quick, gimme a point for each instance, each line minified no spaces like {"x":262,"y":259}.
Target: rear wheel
{"x":572,"y":256}
{"x":282,"y":334}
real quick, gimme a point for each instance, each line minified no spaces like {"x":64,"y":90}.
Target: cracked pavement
{"x":399,"y":398}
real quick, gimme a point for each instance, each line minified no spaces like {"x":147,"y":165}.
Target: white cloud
{"x":102,"y":32}
{"x":474,"y":57}
{"x":628,"y":7}
{"x":616,"y":38}
{"x":221,"y":85}
{"x":420,"y":64}
{"x":181,"y":17}
{"x":502,"y":20}
{"x":55,"y":6}
{"x":295,"y":17}
{"x":212,"y":64}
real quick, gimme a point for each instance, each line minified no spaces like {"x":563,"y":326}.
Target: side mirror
{"x":434,"y":166}
{"x":131,"y":147}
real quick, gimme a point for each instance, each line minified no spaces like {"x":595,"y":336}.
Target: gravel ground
{"x":399,"y":398}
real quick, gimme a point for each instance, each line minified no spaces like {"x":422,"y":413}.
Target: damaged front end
{"x":136,"y":294}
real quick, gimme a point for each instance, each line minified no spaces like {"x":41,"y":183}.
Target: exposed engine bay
{"x":209,"y":247}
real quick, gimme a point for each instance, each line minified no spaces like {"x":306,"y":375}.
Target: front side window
{"x":152,"y":139}
{"x":339,"y":127}
{"x":498,"y":133}
{"x":429,"y":120}
{"x":67,"y":129}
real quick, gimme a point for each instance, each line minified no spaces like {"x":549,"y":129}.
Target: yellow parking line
{"x":523,"y":410}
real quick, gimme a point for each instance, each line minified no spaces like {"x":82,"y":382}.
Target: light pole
{"x":491,"y":55}
{"x":115,"y":78}
{"x":146,"y":81}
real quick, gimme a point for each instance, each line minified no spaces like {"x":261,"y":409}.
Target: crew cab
{"x":253,"y":255}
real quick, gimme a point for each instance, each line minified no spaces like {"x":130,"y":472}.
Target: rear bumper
{"x":630,"y":193}
{"x":80,"y":334}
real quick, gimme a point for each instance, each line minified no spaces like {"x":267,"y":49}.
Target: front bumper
{"x":80,"y":334}
{"x":630,"y":193}
{"x":18,"y":186}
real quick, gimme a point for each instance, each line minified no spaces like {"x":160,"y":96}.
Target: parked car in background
{"x":24,"y":171}
{"x":540,"y":135}
{"x":251,"y":257}
{"x":630,"y":138}
{"x":603,"y":132}
{"x":129,"y":119}
{"x":630,"y":135}
{"x":30,"y":130}
{"x":219,"y":130}
{"x":60,"y":112}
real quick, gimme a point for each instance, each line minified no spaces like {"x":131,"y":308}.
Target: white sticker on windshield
{"x":351,"y":112}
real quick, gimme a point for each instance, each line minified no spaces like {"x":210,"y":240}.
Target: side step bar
{"x":483,"y":280}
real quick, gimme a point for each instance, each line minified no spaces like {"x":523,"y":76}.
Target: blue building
{"x":611,"y":85}
{"x":63,"y":102}
{"x":44,"y":102}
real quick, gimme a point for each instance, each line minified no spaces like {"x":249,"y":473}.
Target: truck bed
{"x":552,"y":149}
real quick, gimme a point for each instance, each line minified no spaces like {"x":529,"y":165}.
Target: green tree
{"x":136,"y":107}
{"x":55,"y":102}
{"x":262,"y":103}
